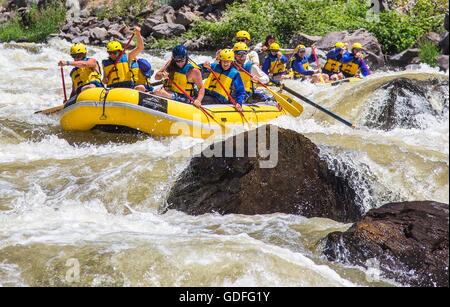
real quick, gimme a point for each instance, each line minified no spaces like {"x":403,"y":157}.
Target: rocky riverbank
{"x":96,"y":22}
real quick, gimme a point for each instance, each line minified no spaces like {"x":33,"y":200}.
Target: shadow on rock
{"x":300,"y":183}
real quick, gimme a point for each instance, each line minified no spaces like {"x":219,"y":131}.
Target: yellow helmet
{"x":240,"y":47}
{"x":357,"y":46}
{"x":300,"y":47}
{"x":274,"y":46}
{"x":340,"y":45}
{"x":114,"y":46}
{"x":226,"y":55}
{"x":78,"y":48}
{"x":243,"y":34}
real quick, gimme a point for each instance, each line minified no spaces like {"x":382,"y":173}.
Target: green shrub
{"x":122,"y":8}
{"x":428,"y":53}
{"x":396,"y":32}
{"x":43,"y":22}
{"x":285,"y":18}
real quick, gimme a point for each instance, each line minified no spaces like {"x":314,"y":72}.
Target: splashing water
{"x":92,"y":199}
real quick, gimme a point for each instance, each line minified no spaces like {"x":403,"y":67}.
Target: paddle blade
{"x":287,"y":105}
{"x":50,"y":111}
{"x":292,"y":101}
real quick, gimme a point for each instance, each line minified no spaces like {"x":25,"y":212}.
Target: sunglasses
{"x":77,"y":55}
{"x":179,"y":60}
{"x":241,"y":53}
{"x":241,"y":40}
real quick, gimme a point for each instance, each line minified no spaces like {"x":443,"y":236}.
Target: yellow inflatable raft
{"x":158,"y":116}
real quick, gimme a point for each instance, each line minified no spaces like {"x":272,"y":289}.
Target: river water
{"x":83,"y":208}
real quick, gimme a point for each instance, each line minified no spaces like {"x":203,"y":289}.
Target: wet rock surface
{"x":301,"y":183}
{"x":407,"y":241}
{"x":405,"y":103}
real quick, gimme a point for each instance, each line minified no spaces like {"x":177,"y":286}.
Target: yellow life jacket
{"x":332,"y":65}
{"x":246,"y":79}
{"x":277,"y":67}
{"x":138,"y":77}
{"x":298,"y":75}
{"x":120,"y":73}
{"x":84,"y":75}
{"x":226,"y":78}
{"x":350,"y":68}
{"x":181,"y":79}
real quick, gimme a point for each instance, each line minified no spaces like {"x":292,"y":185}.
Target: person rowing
{"x":353,"y":63}
{"x":301,"y":69}
{"x":224,"y":84}
{"x":253,"y":95}
{"x":332,"y":67}
{"x":86,"y":72}
{"x":182,"y":77}
{"x":275,"y":63}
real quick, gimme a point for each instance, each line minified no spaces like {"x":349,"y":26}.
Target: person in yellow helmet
{"x":353,"y":63}
{"x":244,"y":37}
{"x":86,"y":72}
{"x":332,"y":67}
{"x":117,"y":71}
{"x":240,"y":53}
{"x":229,"y":77}
{"x":181,"y":74}
{"x":275,"y":63}
{"x":301,"y":69}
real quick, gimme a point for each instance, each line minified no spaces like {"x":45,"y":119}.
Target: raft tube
{"x":159,"y":116}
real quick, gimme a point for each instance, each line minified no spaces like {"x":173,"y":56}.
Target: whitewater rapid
{"x":93,"y":199}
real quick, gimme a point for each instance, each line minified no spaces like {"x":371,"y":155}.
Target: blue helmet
{"x":180,"y":52}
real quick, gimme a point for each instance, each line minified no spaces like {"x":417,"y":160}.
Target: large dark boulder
{"x":408,"y":241}
{"x":300,"y":183}
{"x":442,"y":61}
{"x":405,"y":58}
{"x":167,"y":30}
{"x":443,"y":44}
{"x":367,"y":39}
{"x":304,"y":39}
{"x":405,"y":103}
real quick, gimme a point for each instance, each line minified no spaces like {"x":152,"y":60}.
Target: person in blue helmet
{"x":181,"y":78}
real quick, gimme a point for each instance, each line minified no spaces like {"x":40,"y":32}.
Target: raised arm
{"x":139,"y":47}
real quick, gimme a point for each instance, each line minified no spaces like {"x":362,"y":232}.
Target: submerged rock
{"x":300,"y":183}
{"x":408,"y":242}
{"x":405,"y":103}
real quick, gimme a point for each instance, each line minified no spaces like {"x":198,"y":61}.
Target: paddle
{"x":296,"y":94}
{"x":119,"y":57}
{"x":191,"y":99}
{"x":63,"y":84}
{"x":317,"y":64}
{"x":285,"y":104}
{"x":224,"y":89}
{"x":59,"y":108}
